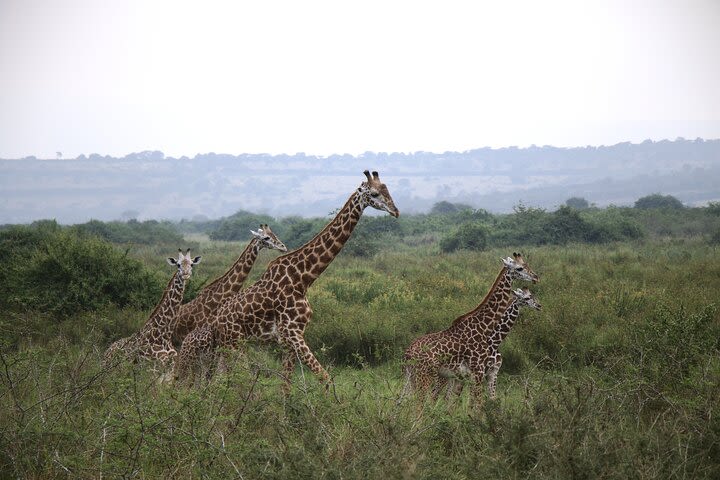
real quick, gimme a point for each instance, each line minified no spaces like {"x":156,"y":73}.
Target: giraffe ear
{"x":171,"y":261}
{"x":196,"y":260}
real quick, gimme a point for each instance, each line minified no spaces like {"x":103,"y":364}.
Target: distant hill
{"x":150,"y":185}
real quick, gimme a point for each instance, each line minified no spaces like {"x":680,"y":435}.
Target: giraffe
{"x":152,"y":341}
{"x":522,"y":297}
{"x":461,"y":346}
{"x":276,"y":308}
{"x":198,"y":345}
{"x":201,"y":308}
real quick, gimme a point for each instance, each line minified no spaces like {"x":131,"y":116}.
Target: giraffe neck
{"x":313,"y":258}
{"x":158,"y":324}
{"x":505,"y":324}
{"x":493,"y":305}
{"x":232,"y":280}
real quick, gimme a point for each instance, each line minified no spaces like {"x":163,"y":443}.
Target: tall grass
{"x":617,"y":377}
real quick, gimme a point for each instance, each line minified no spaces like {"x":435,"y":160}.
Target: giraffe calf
{"x":433,"y":360}
{"x":198,"y":355}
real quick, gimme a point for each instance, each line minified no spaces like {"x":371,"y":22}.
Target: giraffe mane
{"x":484,"y":300}
{"x":325,"y":228}
{"x":164,"y":296}
{"x":209,"y":286}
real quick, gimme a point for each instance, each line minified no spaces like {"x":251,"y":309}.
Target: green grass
{"x":617,"y":377}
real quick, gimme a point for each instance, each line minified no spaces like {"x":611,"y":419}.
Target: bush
{"x":566,"y":225}
{"x":448,"y":208}
{"x":469,"y":236}
{"x":238,"y":226}
{"x":715,"y":238}
{"x":658,"y":201}
{"x":578,"y":203}
{"x":61,"y":272}
{"x":146,"y":233}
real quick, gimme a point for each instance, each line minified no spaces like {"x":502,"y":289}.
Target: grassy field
{"x":617,"y":377}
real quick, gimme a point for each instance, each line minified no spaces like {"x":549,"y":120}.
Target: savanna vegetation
{"x":617,"y":377}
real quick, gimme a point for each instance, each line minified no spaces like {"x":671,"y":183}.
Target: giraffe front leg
{"x":288,"y":363}
{"x":492,"y":373}
{"x":477,"y":374}
{"x":301,"y":350}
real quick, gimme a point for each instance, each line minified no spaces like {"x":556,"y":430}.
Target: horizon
{"x":217,"y":185}
{"x":359,"y":155}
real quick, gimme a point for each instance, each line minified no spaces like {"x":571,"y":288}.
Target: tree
{"x":470,"y":236}
{"x":714,"y":208}
{"x":448,"y":208}
{"x":578,"y":203}
{"x":658,"y":201}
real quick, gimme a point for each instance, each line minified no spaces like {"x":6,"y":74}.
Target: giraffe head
{"x":184,"y":263}
{"x":524,"y":297}
{"x":375,"y":194}
{"x":268,"y":239}
{"x":519,"y":269}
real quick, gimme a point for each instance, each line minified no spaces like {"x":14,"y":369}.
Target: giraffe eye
{"x":374,"y":194}
{"x":520,"y":269}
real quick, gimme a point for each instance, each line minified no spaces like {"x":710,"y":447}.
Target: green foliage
{"x":132,"y":232}
{"x":617,"y":377}
{"x":714,"y":208}
{"x":61,"y":272}
{"x":715,"y":237}
{"x":534,"y":226}
{"x":673,"y":341}
{"x":469,"y":236}
{"x":238,"y":226}
{"x":578,"y":203}
{"x":658,"y":201}
{"x":448,"y":208}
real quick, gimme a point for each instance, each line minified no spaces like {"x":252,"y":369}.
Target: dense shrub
{"x":238,"y":226}
{"x":658,"y":201}
{"x":61,"y":272}
{"x":578,"y":203}
{"x":715,"y":238}
{"x":469,"y":236}
{"x":146,"y":233}
{"x":448,"y":208}
{"x":297,"y":231}
{"x":714,"y":208}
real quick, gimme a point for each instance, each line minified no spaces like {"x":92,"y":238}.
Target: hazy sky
{"x":84,"y":76}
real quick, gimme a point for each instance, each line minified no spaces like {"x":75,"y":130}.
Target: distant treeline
{"x":452,"y":226}
{"x":457,"y":226}
{"x":64,"y":270}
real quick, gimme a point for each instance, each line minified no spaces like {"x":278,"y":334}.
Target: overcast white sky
{"x":84,"y":76}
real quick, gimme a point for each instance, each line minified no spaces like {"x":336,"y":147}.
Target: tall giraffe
{"x":198,"y":346}
{"x":461,"y":346}
{"x":202,"y":307}
{"x":152,"y":341}
{"x":276,"y":308}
